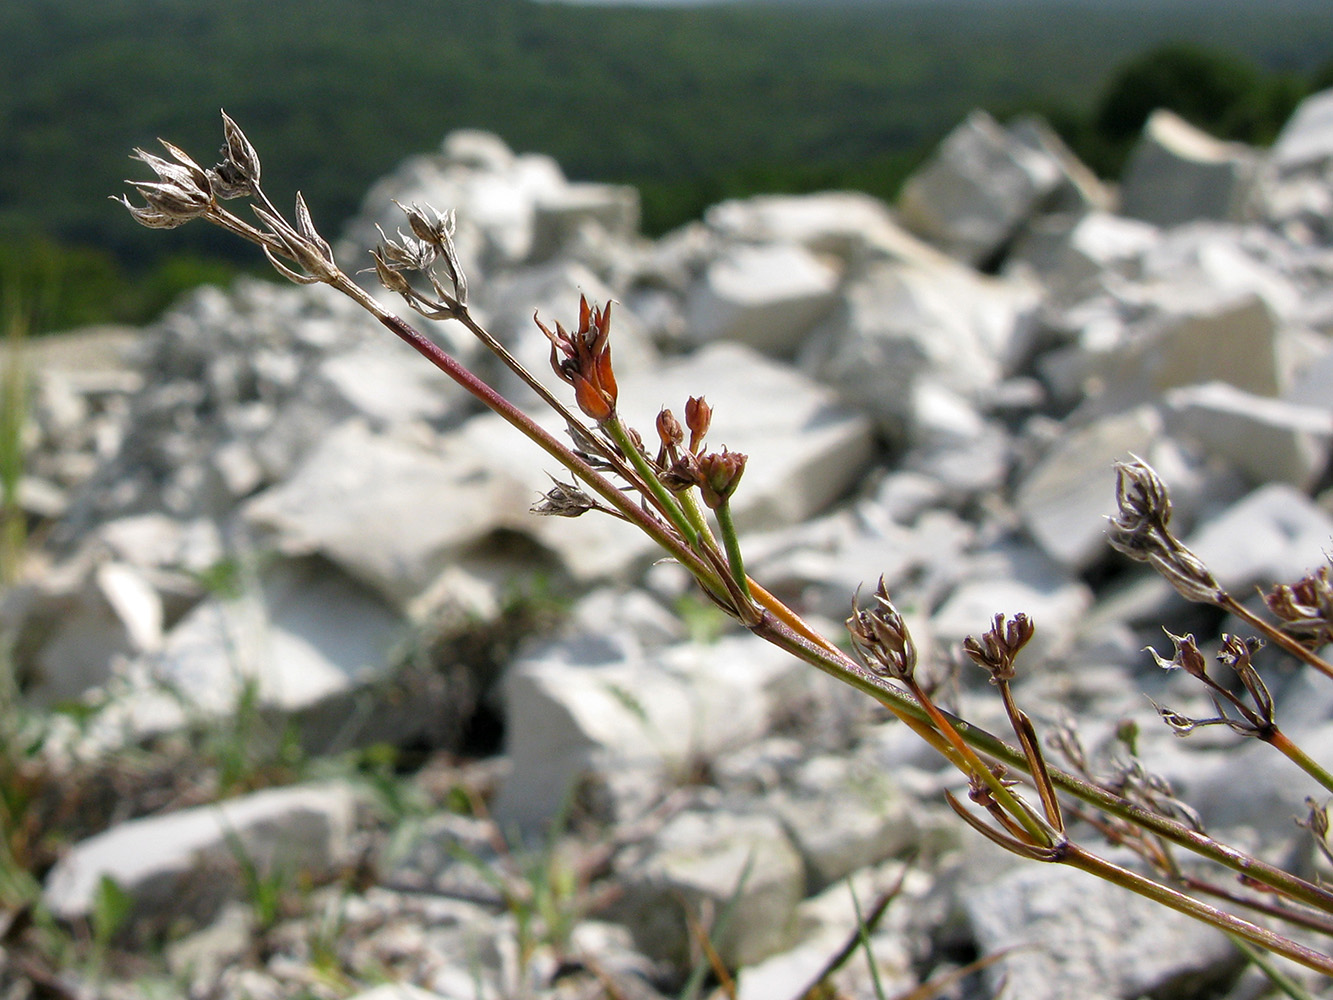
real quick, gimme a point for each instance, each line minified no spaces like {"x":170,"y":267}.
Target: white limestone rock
{"x":1306,"y":140}
{"x":1269,"y":440}
{"x":1098,"y":941}
{"x":390,"y":512}
{"x":385,"y":383}
{"x":563,"y":216}
{"x":875,"y":821}
{"x":310,"y":641}
{"x":723,"y":862}
{"x":1238,"y":340}
{"x":111,"y":616}
{"x":1065,"y":498}
{"x":1177,"y":174}
{"x":1079,"y":189}
{"x":978,"y":189}
{"x":188,"y":863}
{"x":848,"y":225}
{"x":1074,"y":254}
{"x":899,"y":323}
{"x":595,"y":708}
{"x":767,"y":297}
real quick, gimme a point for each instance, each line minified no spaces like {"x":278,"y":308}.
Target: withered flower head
{"x":669,"y":431}
{"x":301,"y":243}
{"x":1305,"y":606}
{"x":182,"y":191}
{"x":881,"y":638}
{"x":995,"y":651}
{"x":1142,"y":501}
{"x":237,"y":175}
{"x":719,"y":474}
{"x":1187,"y":656}
{"x":564,"y":500}
{"x":583,"y":359}
{"x":1140,"y":531}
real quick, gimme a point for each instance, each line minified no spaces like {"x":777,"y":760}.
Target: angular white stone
{"x":767,"y":297}
{"x":389,"y":512}
{"x":849,"y":225}
{"x":1306,"y":141}
{"x":724,"y":862}
{"x":898,"y":323}
{"x":592,"y":707}
{"x":1177,"y":174}
{"x":188,"y":863}
{"x":1064,"y":500}
{"x":1098,"y":940}
{"x":1269,"y":440}
{"x":977,"y":189}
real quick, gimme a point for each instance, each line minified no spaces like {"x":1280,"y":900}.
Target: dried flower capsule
{"x":1305,"y":606}
{"x":1187,"y":656}
{"x":995,"y":651}
{"x":301,"y":243}
{"x":1140,"y":530}
{"x":564,"y":500}
{"x":237,"y":175}
{"x":583,"y":359}
{"x":881,"y":638}
{"x":182,"y":191}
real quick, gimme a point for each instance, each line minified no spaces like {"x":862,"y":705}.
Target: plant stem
{"x":1078,"y":858}
{"x":734,"y":559}
{"x":1275,"y":634}
{"x":1281,"y":742}
{"x":847,"y":670}
{"x":662,"y":497}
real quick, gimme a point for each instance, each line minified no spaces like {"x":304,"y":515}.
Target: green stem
{"x":847,"y":670}
{"x":1076,"y":857}
{"x":1279,"y":741}
{"x":664,"y":499}
{"x":729,"y":538}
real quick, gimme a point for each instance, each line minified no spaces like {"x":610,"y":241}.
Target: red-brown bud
{"x":698,"y":418}
{"x":719,"y":475}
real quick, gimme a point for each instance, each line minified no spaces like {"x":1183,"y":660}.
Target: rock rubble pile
{"x":270,"y":502}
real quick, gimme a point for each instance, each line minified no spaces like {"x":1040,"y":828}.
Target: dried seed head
{"x":564,"y":500}
{"x":995,"y":651}
{"x":881,"y":637}
{"x":1142,"y":501}
{"x":237,"y":175}
{"x":182,"y":191}
{"x":1305,"y":606}
{"x":1187,"y":656}
{"x":301,"y":243}
{"x":719,"y":474}
{"x":683,"y":474}
{"x":583,"y":359}
{"x":1140,"y":531}
{"x":1238,"y":653}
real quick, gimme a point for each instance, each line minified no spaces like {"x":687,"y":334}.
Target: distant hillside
{"x":691,"y":103}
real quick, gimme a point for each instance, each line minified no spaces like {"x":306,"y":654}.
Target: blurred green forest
{"x":689,"y":104}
